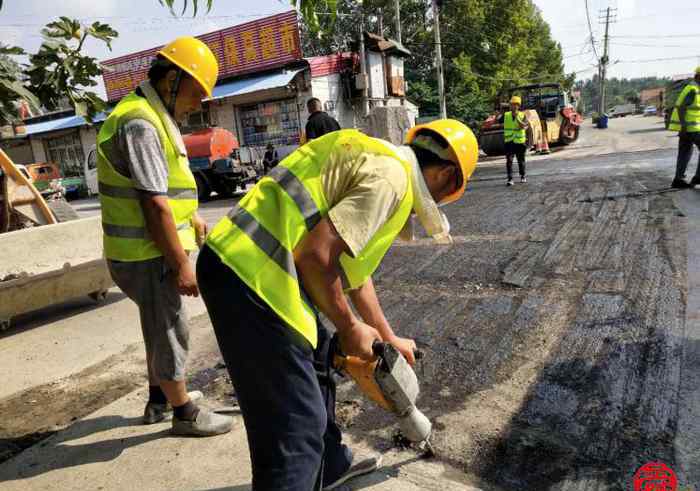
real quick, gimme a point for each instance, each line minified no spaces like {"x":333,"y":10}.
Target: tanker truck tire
{"x":62,"y":210}
{"x":203,"y":189}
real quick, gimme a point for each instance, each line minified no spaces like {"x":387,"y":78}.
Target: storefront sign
{"x":245,"y":48}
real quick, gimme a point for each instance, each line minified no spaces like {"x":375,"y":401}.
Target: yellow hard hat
{"x":516,"y":100}
{"x":463,"y":147}
{"x":194,"y":58}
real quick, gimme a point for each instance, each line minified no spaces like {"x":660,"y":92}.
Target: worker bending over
{"x":150,"y":221}
{"x":311,"y":232}
{"x":514,"y":126}
{"x":685,"y":119}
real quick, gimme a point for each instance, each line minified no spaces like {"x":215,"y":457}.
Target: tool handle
{"x":378,"y":348}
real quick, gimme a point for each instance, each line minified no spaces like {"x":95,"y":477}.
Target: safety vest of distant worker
{"x":123,"y":223}
{"x":258,"y":237}
{"x":692,"y":114}
{"x":512,"y":132}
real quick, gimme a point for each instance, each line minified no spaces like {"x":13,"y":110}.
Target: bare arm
{"x":317,"y":259}
{"x":161,"y":228}
{"x":367,"y":304}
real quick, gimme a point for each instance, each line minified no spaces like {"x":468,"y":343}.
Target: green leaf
{"x":64,"y":28}
{"x":81,"y":108}
{"x":103,"y":32}
{"x":22,"y":92}
{"x":11,"y":50}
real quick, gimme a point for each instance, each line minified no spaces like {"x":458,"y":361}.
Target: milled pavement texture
{"x":562,"y":341}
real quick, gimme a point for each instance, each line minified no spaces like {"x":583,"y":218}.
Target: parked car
{"x":650,"y":111}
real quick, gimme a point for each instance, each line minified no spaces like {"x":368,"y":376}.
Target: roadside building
{"x":264,"y":83}
{"x":652,"y":97}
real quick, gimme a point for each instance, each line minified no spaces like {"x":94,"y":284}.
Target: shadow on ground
{"x":69,"y":454}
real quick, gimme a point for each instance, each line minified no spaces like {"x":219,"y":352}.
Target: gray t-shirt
{"x":139,"y":155}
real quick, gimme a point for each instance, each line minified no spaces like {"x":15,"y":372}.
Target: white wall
{"x":329,"y":89}
{"x":88,"y":138}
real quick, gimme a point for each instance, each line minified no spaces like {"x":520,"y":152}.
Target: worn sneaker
{"x":206,"y":423}
{"x":365,"y":466}
{"x":510,"y":182}
{"x":680,"y":184}
{"x":523,"y":179}
{"x":155,"y":413}
{"x":695,"y":181}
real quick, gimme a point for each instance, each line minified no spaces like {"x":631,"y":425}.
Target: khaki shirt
{"x":362,"y":192}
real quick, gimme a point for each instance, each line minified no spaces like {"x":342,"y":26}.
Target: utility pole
{"x":606,"y":58}
{"x":363,"y":69}
{"x":438,"y":60}
{"x":397,"y":20}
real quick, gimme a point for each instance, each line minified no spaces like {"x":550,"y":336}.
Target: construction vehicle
{"x":45,"y":261}
{"x":217,"y":164}
{"x":547,"y":108}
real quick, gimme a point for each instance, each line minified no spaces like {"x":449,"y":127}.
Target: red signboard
{"x":245,"y":48}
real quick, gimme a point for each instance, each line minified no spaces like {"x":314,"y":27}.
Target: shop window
{"x":271,"y":122}
{"x":67,"y":152}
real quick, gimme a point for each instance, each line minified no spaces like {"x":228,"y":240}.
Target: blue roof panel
{"x":254,"y":84}
{"x":61,"y":124}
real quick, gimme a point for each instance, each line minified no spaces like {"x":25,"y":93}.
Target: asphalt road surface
{"x":561,"y":328}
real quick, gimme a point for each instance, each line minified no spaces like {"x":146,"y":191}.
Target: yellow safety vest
{"x":123,"y":223}
{"x":692,"y":115}
{"x":258,"y":237}
{"x":511,"y":131}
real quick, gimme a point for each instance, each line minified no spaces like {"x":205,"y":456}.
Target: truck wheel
{"x":203,"y":190}
{"x":62,"y":210}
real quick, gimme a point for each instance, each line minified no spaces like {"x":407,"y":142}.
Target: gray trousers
{"x":151,"y":285}
{"x":686,"y":141}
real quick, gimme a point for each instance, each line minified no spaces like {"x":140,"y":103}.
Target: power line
{"x":658,"y":37}
{"x":636,"y":45}
{"x":590,"y":29}
{"x":652,"y":60}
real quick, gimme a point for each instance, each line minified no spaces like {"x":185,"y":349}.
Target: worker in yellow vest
{"x":308,"y":234}
{"x":150,"y":221}
{"x":685,"y":119}
{"x":514,"y":135}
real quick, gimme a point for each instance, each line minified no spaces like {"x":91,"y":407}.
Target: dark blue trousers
{"x":285,"y":388}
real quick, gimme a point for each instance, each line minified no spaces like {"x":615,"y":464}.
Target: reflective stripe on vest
{"x":692,"y":113}
{"x":123,"y":223}
{"x":258,"y":237}
{"x":511,"y":131}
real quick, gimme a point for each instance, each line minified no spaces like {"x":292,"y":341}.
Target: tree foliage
{"x":489,"y":46}
{"x":57,"y":72}
{"x":617,"y":91}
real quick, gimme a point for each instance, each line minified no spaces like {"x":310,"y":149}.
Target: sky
{"x":644,"y":29}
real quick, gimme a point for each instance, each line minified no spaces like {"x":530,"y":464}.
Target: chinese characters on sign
{"x":246,"y":48}
{"x":655,"y":476}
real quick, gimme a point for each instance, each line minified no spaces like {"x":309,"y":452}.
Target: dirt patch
{"x":32,"y":415}
{"x":35,"y":414}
